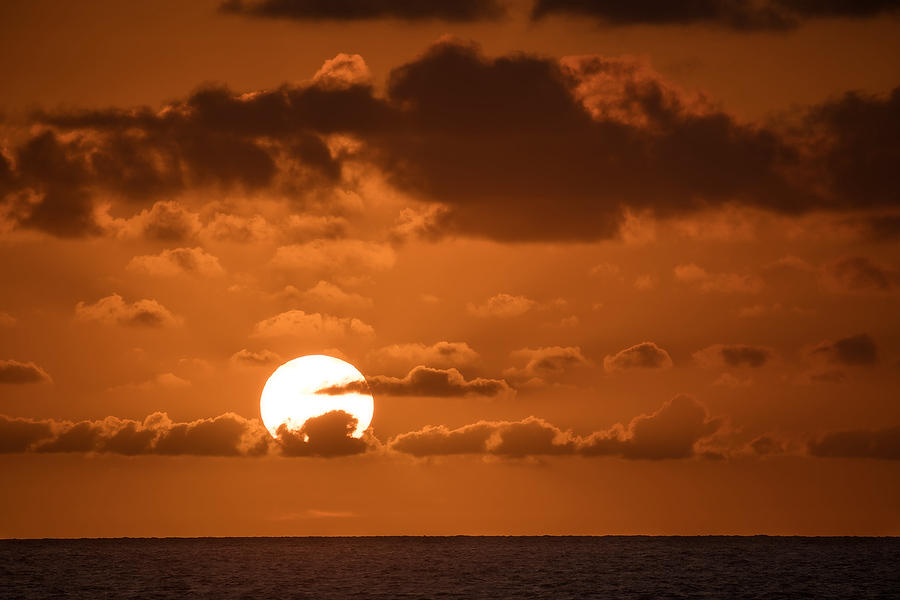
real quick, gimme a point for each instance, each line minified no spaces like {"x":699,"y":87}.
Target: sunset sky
{"x":607,"y":267}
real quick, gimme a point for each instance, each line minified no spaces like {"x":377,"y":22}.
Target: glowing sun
{"x":311,"y":386}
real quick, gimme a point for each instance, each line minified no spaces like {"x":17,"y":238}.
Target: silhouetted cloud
{"x":570,"y":139}
{"x":877,"y":443}
{"x":226,"y":435}
{"x":114,"y":310}
{"x":670,"y":432}
{"x":328,"y":435}
{"x":14,"y":371}
{"x":855,"y":350}
{"x":740,"y":15}
{"x":732,"y":355}
{"x":645,"y":355}
{"x":424,"y":381}
{"x":349,"y":10}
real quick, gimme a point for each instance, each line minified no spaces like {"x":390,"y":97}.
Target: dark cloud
{"x":263,"y":358}
{"x":855,"y":350}
{"x":328,"y":435}
{"x":13,"y":371}
{"x":670,"y":432}
{"x":879,"y":443}
{"x":859,"y":274}
{"x":424,"y":381}
{"x":860,"y":134}
{"x":347,"y":10}
{"x":741,"y":15}
{"x":734,"y":355}
{"x":114,"y":310}
{"x":883,"y":227}
{"x":517,"y":147}
{"x":226,"y":435}
{"x":645,"y":355}
{"x":19,"y":435}
{"x":766,"y":445}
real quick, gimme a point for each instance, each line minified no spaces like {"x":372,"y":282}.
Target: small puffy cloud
{"x":299,"y":323}
{"x":426,"y":381}
{"x":670,"y":432}
{"x":733,"y":355}
{"x":332,"y":296}
{"x":877,"y":443}
{"x":427,"y":223}
{"x":855,"y":350}
{"x":716,"y":282}
{"x":606,"y":271}
{"x":502,"y":306}
{"x":114,"y":310}
{"x":167,"y":221}
{"x":859,"y":274}
{"x":179,"y":261}
{"x":248,"y":358}
{"x":343,"y":71}
{"x":227,"y":227}
{"x":644,"y":283}
{"x":546,"y":363}
{"x":356,"y":256}
{"x":328,"y":435}
{"x":13,"y":371}
{"x":226,"y":435}
{"x":645,"y":355}
{"x":439,"y":354}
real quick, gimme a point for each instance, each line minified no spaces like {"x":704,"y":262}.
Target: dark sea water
{"x":453,"y":567}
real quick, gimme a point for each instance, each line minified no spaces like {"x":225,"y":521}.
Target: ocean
{"x":452,"y":567}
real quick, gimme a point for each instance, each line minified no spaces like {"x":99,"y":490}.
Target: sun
{"x":311,"y":386}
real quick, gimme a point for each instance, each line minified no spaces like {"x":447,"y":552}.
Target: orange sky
{"x":606,"y":270}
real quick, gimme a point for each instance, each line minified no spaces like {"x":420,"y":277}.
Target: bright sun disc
{"x":294,"y":393}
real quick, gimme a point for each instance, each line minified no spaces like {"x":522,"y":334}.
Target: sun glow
{"x":295,"y":393}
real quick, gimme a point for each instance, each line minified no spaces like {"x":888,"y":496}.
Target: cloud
{"x":571,"y":139}
{"x":189,"y":261}
{"x":645,"y":355}
{"x":166,"y":221}
{"x":328,"y":435}
{"x":740,"y":15}
{"x":263,"y":358}
{"x":7,"y":320}
{"x":13,"y":371}
{"x":299,"y":323}
{"x":502,"y":306}
{"x":351,"y":10}
{"x":439,"y":354}
{"x":546,"y":363}
{"x":855,"y":350}
{"x":342,"y":72}
{"x":670,"y":432}
{"x":169,"y":381}
{"x":336,"y":255}
{"x":226,"y":435}
{"x":859,"y":274}
{"x":733,"y":355}
{"x":529,"y":437}
{"x":236,"y":228}
{"x":426,"y":381}
{"x":330,"y":295}
{"x":114,"y":310}
{"x":877,"y":443}
{"x":716,"y":282}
